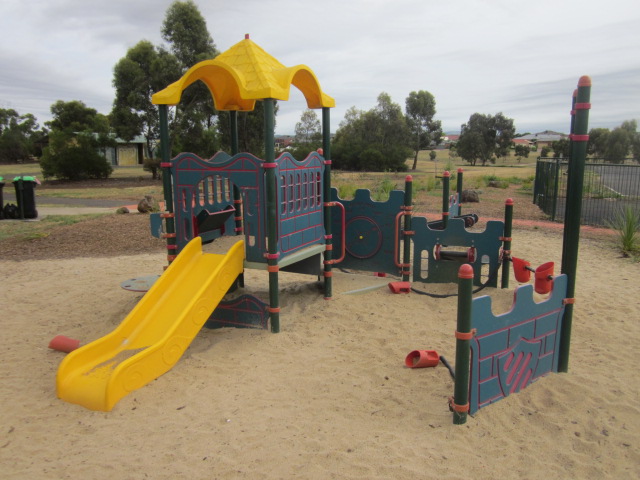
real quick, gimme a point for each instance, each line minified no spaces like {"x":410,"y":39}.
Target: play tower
{"x":277,"y":204}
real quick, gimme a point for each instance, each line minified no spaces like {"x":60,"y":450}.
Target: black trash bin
{"x":26,"y":196}
{"x":1,"y":199}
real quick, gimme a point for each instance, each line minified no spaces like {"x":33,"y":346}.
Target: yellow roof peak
{"x":243,"y":74}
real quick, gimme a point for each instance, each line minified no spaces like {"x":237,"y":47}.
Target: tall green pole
{"x":237,"y":197}
{"x":446,"y":177}
{"x":272,"y":211}
{"x":569,"y":193}
{"x":571,"y":239}
{"x":407,"y":233}
{"x":165,"y":155}
{"x":326,"y":150}
{"x":460,"y":404}
{"x":506,"y":241}
{"x":459,"y":188}
{"x":233,"y":120}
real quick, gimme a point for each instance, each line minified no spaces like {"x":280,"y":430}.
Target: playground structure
{"x":288,"y":217}
{"x":286,"y":213}
{"x":500,"y":355}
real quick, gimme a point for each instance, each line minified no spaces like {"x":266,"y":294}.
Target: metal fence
{"x":608,"y":188}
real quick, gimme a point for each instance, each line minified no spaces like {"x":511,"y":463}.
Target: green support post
{"x":571,"y":239}
{"x":165,"y":155}
{"x":459,"y":187}
{"x":569,"y":193}
{"x":272,"y":211}
{"x":237,"y":197}
{"x":506,"y":241}
{"x":446,"y":178}
{"x":233,"y":120}
{"x":326,"y":150}
{"x":460,"y":404}
{"x":407,"y":233}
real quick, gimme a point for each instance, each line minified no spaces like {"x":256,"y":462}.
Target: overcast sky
{"x":519,"y":58}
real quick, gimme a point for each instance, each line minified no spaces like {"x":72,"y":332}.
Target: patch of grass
{"x":627,"y":223}
{"x":103,"y":193}
{"x":382,"y":191}
{"x":424,"y":184}
{"x":347,"y":191}
{"x":38,"y":229}
{"x":8,"y":171}
{"x":495,"y":181}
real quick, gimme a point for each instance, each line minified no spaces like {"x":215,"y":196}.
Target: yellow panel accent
{"x":246,"y":73}
{"x":153,"y":337}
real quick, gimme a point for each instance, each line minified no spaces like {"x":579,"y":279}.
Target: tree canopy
{"x":20,"y":136}
{"x":77,"y":142}
{"x":485,"y":138}
{"x":144,"y":70}
{"x":617,"y":144}
{"x":375,"y":140}
{"x":425,"y":131}
{"x":147,"y":69}
{"x":308,"y":134}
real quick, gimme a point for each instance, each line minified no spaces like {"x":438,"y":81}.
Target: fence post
{"x":536,"y":183}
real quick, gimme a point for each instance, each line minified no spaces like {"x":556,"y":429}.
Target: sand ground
{"x":329,"y":396}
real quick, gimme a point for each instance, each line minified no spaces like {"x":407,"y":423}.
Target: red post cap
{"x":446,"y":174}
{"x":408,"y":178}
{"x":465,"y":271}
{"x":585,"y":81}
{"x":509,"y":201}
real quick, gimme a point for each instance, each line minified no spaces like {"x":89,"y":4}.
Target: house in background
{"x":127,"y":153}
{"x":544,"y":139}
{"x":523,"y":141}
{"x":283,"y":141}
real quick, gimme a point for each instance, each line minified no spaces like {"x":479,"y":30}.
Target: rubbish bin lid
{"x":26,"y":178}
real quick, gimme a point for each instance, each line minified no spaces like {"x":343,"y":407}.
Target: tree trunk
{"x":415,"y":160}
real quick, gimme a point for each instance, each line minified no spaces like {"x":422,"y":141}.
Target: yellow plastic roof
{"x":246,"y":73}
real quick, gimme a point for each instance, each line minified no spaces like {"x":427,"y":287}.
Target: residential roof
{"x":546,"y":136}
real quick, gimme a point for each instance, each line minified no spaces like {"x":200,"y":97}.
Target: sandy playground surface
{"x":328,"y":397}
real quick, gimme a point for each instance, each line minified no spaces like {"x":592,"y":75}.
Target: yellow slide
{"x":153,"y":337}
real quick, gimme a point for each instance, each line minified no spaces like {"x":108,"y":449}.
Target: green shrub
{"x":627,"y":223}
{"x":495,"y":181}
{"x":153,"y":165}
{"x":381,"y":193}
{"x":74,"y":158}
